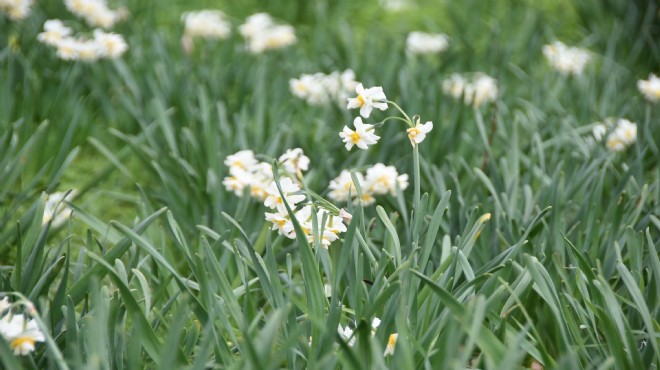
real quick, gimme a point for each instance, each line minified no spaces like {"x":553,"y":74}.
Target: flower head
{"x":368,"y":99}
{"x":418,"y":133}
{"x":294,"y":161}
{"x":426,"y":43}
{"x":391,"y":343}
{"x":361,"y":137}
{"x":566,"y":59}
{"x":54,"y":32}
{"x":210,"y":24}
{"x":650,"y":88}
{"x":289,"y":189}
{"x":20,"y":334}
{"x":16,"y":9}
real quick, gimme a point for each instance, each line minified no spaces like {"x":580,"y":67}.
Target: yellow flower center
{"x":355,"y":137}
{"x":391,"y":342}
{"x":360,"y":100}
{"x":20,"y":341}
{"x":281,"y":223}
{"x":413,"y":132}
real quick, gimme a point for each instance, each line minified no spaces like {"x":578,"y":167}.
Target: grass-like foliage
{"x":522,"y":234}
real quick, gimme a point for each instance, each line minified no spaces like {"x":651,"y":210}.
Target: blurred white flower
{"x":210,"y":24}
{"x":294,"y":161}
{"x":20,"y":335}
{"x":395,"y":5}
{"x":321,"y":89}
{"x":650,"y":88}
{"x":55,"y":208}
{"x":426,"y":43}
{"x":16,"y":9}
{"x":382,"y":179}
{"x":95,"y":12}
{"x":454,"y":85}
{"x":342,"y":187}
{"x":418,"y":133}
{"x":622,"y":133}
{"x":110,"y":45}
{"x":566,"y":59}
{"x":362,"y":137}
{"x":262,"y":34}
{"x":368,"y":99}
{"x":54,"y":32}
{"x":391,"y":343}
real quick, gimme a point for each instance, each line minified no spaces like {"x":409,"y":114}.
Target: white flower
{"x":599,"y":131}
{"x":362,"y":137}
{"x":482,"y":90}
{"x":242,"y":159}
{"x":56,"y":210}
{"x":294,"y":161}
{"x":418,"y":133}
{"x":211,"y":24}
{"x":54,"y":32}
{"x":289,"y":188}
{"x":346,"y":334}
{"x":16,"y":9}
{"x":342,"y":187}
{"x":650,"y":88}
{"x":368,"y":99}
{"x":620,"y":137}
{"x":454,"y":85}
{"x":281,"y":222}
{"x":262,"y":34}
{"x":20,"y":335}
{"x":110,"y":45}
{"x":567,"y":60}
{"x":95,"y":12}
{"x":383,"y":179}
{"x":426,"y":43}
{"x":391,"y":343}
{"x":4,"y":304}
{"x":321,"y":89}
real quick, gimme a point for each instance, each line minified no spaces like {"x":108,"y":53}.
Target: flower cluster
{"x":16,"y":9}
{"x":567,"y":60}
{"x":21,"y":335}
{"x":321,"y":89}
{"x":379,"y":180}
{"x":95,"y":12}
{"x":481,"y":90}
{"x":262,"y":34}
{"x":55,"y":210}
{"x":245,"y":171}
{"x":210,"y":24}
{"x":426,"y":43}
{"x":103,"y":45}
{"x":650,"y":88}
{"x":618,"y":136}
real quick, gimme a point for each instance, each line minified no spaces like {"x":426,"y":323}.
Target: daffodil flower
{"x":391,"y":343}
{"x":361,"y":137}
{"x":418,"y":133}
{"x":367,"y":100}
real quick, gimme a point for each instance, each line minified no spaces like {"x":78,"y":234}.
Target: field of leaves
{"x":196,"y":191}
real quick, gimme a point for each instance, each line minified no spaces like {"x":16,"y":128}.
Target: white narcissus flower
{"x":20,"y":335}
{"x":368,"y":99}
{"x":482,"y":90}
{"x":623,"y":133}
{"x":426,"y":43}
{"x":243,"y":159}
{"x":294,"y":161}
{"x":262,"y":34}
{"x":342,"y":187}
{"x":454,"y":85}
{"x":210,"y":24}
{"x":418,"y":133}
{"x":650,"y":88}
{"x":391,"y":343}
{"x":362,"y":137}
{"x":55,"y":208}
{"x":110,"y":45}
{"x":54,"y":32}
{"x":95,"y":12}
{"x":565,"y":59}
{"x":16,"y":9}
{"x":275,"y":200}
{"x":382,"y":179}
{"x":321,"y":89}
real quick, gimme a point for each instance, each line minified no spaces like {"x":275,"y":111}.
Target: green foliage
{"x":524,"y":245}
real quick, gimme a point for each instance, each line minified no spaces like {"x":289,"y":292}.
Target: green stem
{"x":408,"y":120}
{"x":397,"y":118}
{"x":416,"y":178}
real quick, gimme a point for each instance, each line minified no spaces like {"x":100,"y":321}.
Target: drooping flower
{"x":650,"y":88}
{"x":566,"y":59}
{"x":361,"y":137}
{"x":391,"y":343}
{"x":368,"y":99}
{"x":418,"y":133}
{"x":426,"y":43}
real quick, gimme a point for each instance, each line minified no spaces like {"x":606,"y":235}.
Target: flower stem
{"x":417,"y":179}
{"x":408,"y":120}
